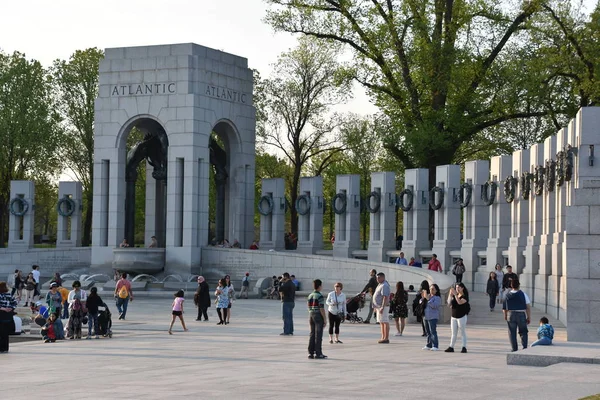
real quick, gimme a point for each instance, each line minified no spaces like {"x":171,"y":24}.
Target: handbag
{"x":339,"y":313}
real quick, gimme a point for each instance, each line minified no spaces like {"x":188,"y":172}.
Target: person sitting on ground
{"x":48,"y":332}
{"x":41,"y":313}
{"x":124,"y":243}
{"x":236,"y":244}
{"x":254,"y":246}
{"x":545,"y":333}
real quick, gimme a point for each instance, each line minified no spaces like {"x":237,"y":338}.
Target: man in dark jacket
{"x":202,"y":299}
{"x":370,"y":288}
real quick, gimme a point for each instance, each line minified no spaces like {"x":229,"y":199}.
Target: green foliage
{"x":135,"y":136}
{"x":76,"y":85}
{"x":46,"y":198}
{"x":30,"y":134}
{"x":293,"y":109}
{"x":449,"y":77}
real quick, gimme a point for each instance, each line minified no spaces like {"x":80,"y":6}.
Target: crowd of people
{"x":81,"y":308}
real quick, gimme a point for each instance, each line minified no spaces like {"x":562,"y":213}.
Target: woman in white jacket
{"x":336,"y":306}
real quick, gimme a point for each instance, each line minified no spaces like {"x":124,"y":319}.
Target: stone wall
{"x":50,"y":260}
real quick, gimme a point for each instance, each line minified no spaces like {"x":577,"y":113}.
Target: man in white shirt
{"x":35,"y":270}
{"x":381,"y":302}
{"x":401,"y":260}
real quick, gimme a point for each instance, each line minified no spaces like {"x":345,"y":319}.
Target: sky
{"x":47,"y":30}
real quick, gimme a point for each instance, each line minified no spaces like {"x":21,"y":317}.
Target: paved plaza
{"x":249,"y":360}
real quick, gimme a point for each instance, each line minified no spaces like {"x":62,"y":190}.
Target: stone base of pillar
{"x":540,"y":292}
{"x":307,"y":247}
{"x":527,"y":282}
{"x":494,"y":252}
{"x":516,"y":258}
{"x":376,"y":252}
{"x":553,"y":296}
{"x":471,"y":261}
{"x":480,"y":281}
{"x":412,"y":248}
{"x":343,"y":249}
{"x":270,"y":245}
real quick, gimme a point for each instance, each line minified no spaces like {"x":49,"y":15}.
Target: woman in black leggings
{"x":336,"y":306}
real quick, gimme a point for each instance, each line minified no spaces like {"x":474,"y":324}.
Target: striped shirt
{"x":316,"y":302}
{"x":7,"y":301}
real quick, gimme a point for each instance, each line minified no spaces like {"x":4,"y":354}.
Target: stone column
{"x":475,"y":226}
{"x":116,"y":199}
{"x":347,"y":225}
{"x":519,"y":209}
{"x":582,"y":250}
{"x":447,"y":218}
{"x":382,"y":227}
{"x":69,"y":237}
{"x":416,"y":220}
{"x":272,"y":226}
{"x":501,"y":167}
{"x":310,"y":226}
{"x":548,"y":211}
{"x":532,"y":259}
{"x":21,"y":227}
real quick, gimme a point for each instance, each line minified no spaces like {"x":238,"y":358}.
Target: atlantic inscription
{"x":143,"y":89}
{"x":226,"y":94}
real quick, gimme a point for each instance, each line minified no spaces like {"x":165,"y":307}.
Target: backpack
{"x":123,"y":292}
{"x":421,"y":305}
{"x":246,"y":281}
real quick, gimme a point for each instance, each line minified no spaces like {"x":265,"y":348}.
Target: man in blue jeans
{"x":287,"y":292}
{"x":123,"y":294}
{"x":517,"y":314}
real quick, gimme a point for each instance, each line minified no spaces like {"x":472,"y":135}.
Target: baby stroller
{"x":104,"y":321}
{"x":353,"y":305}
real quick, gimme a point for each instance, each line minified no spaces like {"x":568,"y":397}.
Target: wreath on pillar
{"x":538,"y":180}
{"x":377,"y":197}
{"x":526,"y":180}
{"x":488,"y":192}
{"x":18,"y":206}
{"x":269,"y":208}
{"x":550,"y":175}
{"x":409,"y":200}
{"x":303,"y":204}
{"x":510,"y":187}
{"x":344,"y":203}
{"x":465,"y":192}
{"x":440,"y":192}
{"x":70,"y":207}
{"x":560,"y":168}
{"x":569,"y":163}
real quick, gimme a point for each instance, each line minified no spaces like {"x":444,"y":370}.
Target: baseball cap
{"x":53,"y":284}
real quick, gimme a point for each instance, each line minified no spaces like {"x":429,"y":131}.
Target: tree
{"x":30,"y":134}
{"x":76,"y":82}
{"x":437,"y":69}
{"x":297,"y":101}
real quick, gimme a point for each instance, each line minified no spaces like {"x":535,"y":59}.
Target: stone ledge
{"x":544,"y":356}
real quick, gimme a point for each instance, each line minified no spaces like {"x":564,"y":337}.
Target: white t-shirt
{"x":36,"y":275}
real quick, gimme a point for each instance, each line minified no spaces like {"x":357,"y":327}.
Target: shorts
{"x":383,"y":315}
{"x":178,"y":313}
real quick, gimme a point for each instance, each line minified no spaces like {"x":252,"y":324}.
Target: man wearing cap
{"x":202,"y":299}
{"x":54,"y":299}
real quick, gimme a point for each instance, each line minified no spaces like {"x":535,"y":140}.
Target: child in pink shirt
{"x":178,"y":311}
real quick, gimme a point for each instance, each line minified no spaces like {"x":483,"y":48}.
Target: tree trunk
{"x":87,"y":221}
{"x":3,"y":219}
{"x":294,"y":197}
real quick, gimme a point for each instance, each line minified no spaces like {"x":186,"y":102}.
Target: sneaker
{"x":330,"y":341}
{"x":398,"y":334}
{"x":47,"y":341}
{"x":449,"y":350}
{"x":464,"y":350}
{"x":311,"y":356}
{"x":426,"y":348}
{"x":321,"y":356}
{"x":366,"y":322}
{"x":435,"y":349}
